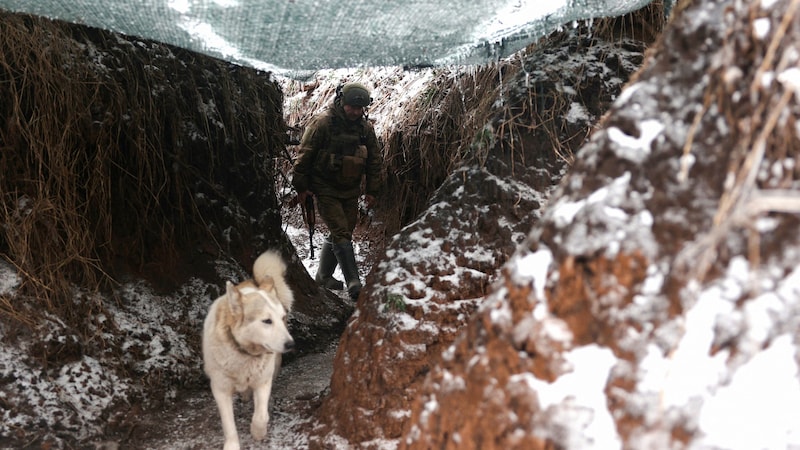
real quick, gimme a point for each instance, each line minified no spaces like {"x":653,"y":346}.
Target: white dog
{"x":244,"y":335}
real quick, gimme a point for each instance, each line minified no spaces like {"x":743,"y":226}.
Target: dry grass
{"x":104,"y":142}
{"x":644,"y":25}
{"x":437,"y":134}
{"x":532,"y":125}
{"x":763,"y":120}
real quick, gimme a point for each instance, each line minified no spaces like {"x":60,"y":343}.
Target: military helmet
{"x":355,"y":94}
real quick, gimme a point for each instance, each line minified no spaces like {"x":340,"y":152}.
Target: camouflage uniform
{"x":334,"y":155}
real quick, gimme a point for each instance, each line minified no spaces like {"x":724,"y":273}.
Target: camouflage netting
{"x":296,"y":37}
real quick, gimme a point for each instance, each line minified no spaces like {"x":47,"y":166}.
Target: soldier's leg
{"x":330,"y":211}
{"x":340,"y":216}
{"x":327,"y":265}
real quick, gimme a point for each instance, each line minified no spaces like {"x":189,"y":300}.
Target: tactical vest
{"x":344,"y":160}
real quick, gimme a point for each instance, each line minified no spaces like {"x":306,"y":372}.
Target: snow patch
{"x":534,"y":267}
{"x":761,"y":27}
{"x":635,"y":149}
{"x":575,"y":403}
{"x":768,"y":382}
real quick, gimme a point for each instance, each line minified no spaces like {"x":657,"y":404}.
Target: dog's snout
{"x":288,"y":346}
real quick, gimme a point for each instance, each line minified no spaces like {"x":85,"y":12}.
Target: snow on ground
{"x":154,"y":331}
{"x":75,"y":397}
{"x":754,"y":405}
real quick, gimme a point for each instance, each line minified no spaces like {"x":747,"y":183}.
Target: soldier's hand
{"x":369,"y":200}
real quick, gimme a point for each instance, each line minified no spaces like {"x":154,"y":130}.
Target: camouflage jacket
{"x":335,"y":154}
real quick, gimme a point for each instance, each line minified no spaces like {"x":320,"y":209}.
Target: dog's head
{"x":258,"y":322}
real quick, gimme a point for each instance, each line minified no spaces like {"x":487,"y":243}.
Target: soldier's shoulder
{"x":368,"y":125}
{"x":320,"y":121}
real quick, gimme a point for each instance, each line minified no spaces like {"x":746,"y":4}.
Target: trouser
{"x":340,"y":217}
{"x":327,"y":265}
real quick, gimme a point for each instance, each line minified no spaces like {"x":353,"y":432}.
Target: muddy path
{"x":192,"y":422}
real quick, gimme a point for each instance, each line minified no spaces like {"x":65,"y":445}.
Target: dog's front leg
{"x":258,"y":427}
{"x":224,"y":400}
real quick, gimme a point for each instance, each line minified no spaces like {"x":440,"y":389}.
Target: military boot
{"x":327,"y":264}
{"x":347,"y":261}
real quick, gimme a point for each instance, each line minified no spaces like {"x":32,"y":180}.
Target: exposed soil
{"x":436,"y":272}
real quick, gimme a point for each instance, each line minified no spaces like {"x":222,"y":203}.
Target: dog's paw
{"x":259,"y":430}
{"x":231,"y":445}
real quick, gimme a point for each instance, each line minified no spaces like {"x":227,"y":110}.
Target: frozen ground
{"x":193,"y":421}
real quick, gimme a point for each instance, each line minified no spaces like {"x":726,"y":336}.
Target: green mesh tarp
{"x":297,"y":36}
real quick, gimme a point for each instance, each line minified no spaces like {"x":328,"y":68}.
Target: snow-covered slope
{"x":656,"y":305}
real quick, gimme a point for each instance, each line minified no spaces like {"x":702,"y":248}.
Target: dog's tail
{"x":271,"y":265}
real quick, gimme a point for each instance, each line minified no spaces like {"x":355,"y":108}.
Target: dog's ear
{"x":234,"y":298}
{"x":267,"y":284}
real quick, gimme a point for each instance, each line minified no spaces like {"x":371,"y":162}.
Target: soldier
{"x":339,"y":149}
